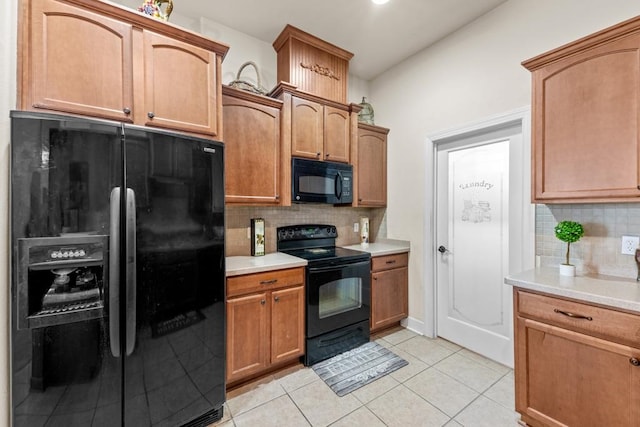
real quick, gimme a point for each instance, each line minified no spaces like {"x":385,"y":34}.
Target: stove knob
{"x":334,"y":230}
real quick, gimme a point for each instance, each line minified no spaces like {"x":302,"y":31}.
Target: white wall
{"x":468,"y":76}
{"x":8,"y":31}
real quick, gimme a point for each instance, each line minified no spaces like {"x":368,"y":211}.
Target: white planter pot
{"x":567,"y":270}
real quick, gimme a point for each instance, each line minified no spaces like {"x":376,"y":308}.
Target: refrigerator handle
{"x":114,"y":272}
{"x":131,"y":271}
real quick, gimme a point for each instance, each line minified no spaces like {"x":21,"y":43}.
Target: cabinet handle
{"x":393,"y":261}
{"x":150,"y":114}
{"x":263,"y":302}
{"x":127,"y":111}
{"x":276,"y":299}
{"x":575,"y":316}
{"x":269,"y":282}
{"x":634,"y":361}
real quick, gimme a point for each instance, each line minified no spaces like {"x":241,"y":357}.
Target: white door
{"x":478,"y":216}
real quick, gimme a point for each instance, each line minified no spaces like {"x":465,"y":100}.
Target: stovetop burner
{"x":315,"y":243}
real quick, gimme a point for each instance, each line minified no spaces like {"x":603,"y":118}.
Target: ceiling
{"x":379,"y":36}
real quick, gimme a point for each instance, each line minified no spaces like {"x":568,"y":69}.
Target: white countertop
{"x":383,"y":247}
{"x":616,"y":292}
{"x":237,"y":265}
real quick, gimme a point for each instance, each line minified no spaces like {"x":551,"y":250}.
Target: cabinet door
{"x":389,"y":297}
{"x":566,"y":378}
{"x":372,"y":168}
{"x":586,"y":127}
{"x":80,"y":62}
{"x":252,"y":152}
{"x":337,"y":134}
{"x":287,"y":324}
{"x":247,"y":335}
{"x":306,"y":128}
{"x":180,"y":86}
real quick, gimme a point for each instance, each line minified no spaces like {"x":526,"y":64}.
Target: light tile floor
{"x":443,"y":385}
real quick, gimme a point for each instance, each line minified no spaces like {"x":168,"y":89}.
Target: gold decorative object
{"x":248,"y":86}
{"x":153,"y":8}
{"x":323,"y":71}
{"x":366,"y":114}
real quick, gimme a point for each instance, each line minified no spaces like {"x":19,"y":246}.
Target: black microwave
{"x":313,"y":181}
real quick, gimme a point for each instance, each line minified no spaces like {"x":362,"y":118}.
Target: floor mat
{"x":355,"y":368}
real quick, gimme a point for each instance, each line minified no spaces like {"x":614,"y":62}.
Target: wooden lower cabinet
{"x":568,"y":378}
{"x":265,"y":322}
{"x":389,"y":290}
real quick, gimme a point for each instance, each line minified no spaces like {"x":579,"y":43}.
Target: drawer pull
{"x":634,"y":361}
{"x":393,"y":261}
{"x":269,"y":282}
{"x":575,"y":316}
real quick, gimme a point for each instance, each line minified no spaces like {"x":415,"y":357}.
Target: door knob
{"x":442,"y":249}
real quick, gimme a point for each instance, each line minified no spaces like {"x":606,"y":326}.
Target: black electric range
{"x":338,"y":289}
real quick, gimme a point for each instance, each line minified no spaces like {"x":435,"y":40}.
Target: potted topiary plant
{"x":569,"y":232}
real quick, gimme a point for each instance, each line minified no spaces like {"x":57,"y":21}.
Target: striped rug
{"x":355,"y":368}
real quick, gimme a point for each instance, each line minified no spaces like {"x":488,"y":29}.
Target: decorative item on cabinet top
{"x":366,"y":114}
{"x":154,"y":9}
{"x":245,"y":85}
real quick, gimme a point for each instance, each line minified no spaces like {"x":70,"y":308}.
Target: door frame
{"x":523,"y":257}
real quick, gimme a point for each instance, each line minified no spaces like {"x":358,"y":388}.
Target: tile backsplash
{"x":238,"y":219}
{"x":598,"y":251}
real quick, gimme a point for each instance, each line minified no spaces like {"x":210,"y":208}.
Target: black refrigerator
{"x":117,"y":287}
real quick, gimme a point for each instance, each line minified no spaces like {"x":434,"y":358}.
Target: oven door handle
{"x":338,"y":266}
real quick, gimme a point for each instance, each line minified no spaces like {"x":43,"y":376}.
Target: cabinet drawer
{"x":387,"y":262}
{"x":276,"y":279}
{"x":596,"y":321}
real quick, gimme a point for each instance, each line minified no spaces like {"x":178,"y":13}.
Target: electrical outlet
{"x":356,"y":227}
{"x":630,"y":244}
{"x":248,"y":232}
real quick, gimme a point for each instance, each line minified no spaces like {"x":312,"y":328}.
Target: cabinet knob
{"x":127,"y":111}
{"x":150,"y":114}
{"x":263,"y":302}
{"x":634,"y":361}
{"x":327,"y":155}
{"x":318,"y":154}
{"x":276,"y":299}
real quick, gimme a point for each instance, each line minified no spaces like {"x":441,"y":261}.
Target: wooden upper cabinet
{"x":307,"y":128}
{"x":337,"y":134}
{"x":252,"y":148}
{"x":320,"y":132}
{"x":371,"y":166}
{"x":180,"y":85}
{"x":79,"y":62}
{"x":98,"y":59}
{"x":586,"y":119}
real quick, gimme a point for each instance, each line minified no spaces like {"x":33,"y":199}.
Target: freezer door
{"x":175,"y":368}
{"x":62,"y":172}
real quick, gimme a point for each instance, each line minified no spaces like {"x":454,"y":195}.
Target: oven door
{"x":337,"y":296}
